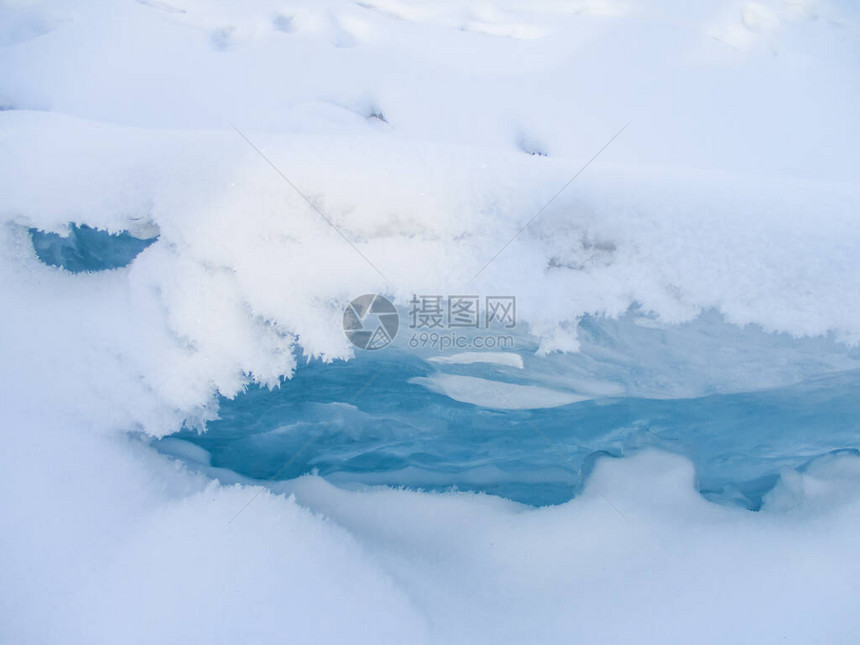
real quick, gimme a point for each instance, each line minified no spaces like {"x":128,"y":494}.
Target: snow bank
{"x":113,"y":543}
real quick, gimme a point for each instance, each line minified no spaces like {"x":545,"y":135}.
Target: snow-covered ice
{"x":704,"y":269}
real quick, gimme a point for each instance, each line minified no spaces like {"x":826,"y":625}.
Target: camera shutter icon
{"x":371,"y":321}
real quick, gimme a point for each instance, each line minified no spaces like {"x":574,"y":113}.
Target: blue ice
{"x":741,"y":404}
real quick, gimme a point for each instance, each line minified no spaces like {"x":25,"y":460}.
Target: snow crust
{"x":494,"y":358}
{"x":495,"y":394}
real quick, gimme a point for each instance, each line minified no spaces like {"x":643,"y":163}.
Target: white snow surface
{"x":428,"y":134}
{"x":495,"y":394}
{"x":507,"y":359}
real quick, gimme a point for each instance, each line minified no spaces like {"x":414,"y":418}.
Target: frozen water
{"x":508,"y":434}
{"x":87,"y":249}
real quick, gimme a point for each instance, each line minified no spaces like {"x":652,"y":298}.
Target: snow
{"x":495,"y":394}
{"x":493,"y":358}
{"x":428,"y":134}
{"x":137,"y":549}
